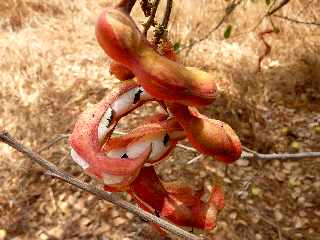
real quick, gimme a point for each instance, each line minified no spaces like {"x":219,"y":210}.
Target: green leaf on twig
{"x":227,"y":32}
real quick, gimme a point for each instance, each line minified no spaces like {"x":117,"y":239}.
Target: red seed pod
{"x":163,"y":78}
{"x":175,"y":201}
{"x":209,"y":136}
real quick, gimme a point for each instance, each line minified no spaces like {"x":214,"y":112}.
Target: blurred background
{"x":52,"y":69}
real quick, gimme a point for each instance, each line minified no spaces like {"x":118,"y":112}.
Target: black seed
{"x":166,"y":139}
{"x":110,"y":118}
{"x":124,"y":156}
{"x":137,"y":96}
{"x":93,"y":115}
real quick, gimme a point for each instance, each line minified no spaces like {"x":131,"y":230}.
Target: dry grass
{"x":52,"y":68}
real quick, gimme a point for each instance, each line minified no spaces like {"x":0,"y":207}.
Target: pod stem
{"x":126,"y":5}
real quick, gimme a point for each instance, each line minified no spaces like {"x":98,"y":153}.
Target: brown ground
{"x":52,"y":69}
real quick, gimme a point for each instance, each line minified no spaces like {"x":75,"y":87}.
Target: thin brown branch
{"x":293,"y":20}
{"x":280,"y":156}
{"x":268,"y":14}
{"x":260,"y":156}
{"x":277,"y":8}
{"x":161,"y":30}
{"x":247,"y":154}
{"x":151,"y":21}
{"x":146,"y":7}
{"x":227,"y":12}
{"x":53,"y":142}
{"x":271,"y":156}
{"x":167,"y":14}
{"x":64,"y":176}
{"x":195,"y":159}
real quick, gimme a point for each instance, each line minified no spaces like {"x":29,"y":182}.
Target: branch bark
{"x":247,"y":154}
{"x":162,"y":31}
{"x":280,"y":156}
{"x":293,"y":20}
{"x":281,"y":5}
{"x":167,"y":14}
{"x":150,"y":21}
{"x":64,"y":176}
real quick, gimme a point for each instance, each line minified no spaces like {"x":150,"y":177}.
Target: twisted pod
{"x":209,"y":136}
{"x":163,"y":78}
{"x":118,"y":160}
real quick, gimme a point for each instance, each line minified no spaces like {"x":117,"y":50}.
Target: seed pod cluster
{"x":126,"y":163}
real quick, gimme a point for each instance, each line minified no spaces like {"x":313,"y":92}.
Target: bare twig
{"x":247,"y":154}
{"x":146,"y":7}
{"x":280,"y":156}
{"x":293,"y":20}
{"x":195,"y":159}
{"x":186,"y":147}
{"x":64,"y":176}
{"x":161,"y":30}
{"x":260,"y":156}
{"x":227,"y":12}
{"x":271,"y":11}
{"x":277,"y":8}
{"x":151,"y":21}
{"x":167,"y":14}
{"x":53,"y":142}
{"x":246,"y":185}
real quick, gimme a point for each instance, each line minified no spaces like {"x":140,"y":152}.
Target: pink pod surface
{"x":209,"y":136}
{"x":178,"y":203}
{"x":163,"y":78}
{"x":95,"y":126}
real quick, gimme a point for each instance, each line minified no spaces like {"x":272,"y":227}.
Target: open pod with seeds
{"x":125,"y":163}
{"x":117,"y":161}
{"x":95,"y":126}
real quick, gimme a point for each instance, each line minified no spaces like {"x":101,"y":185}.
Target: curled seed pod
{"x":209,"y":136}
{"x":163,"y":78}
{"x":94,"y":128}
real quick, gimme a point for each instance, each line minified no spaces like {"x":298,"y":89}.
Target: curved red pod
{"x":96,"y":125}
{"x":163,"y":78}
{"x":178,"y":203}
{"x":209,"y":136}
